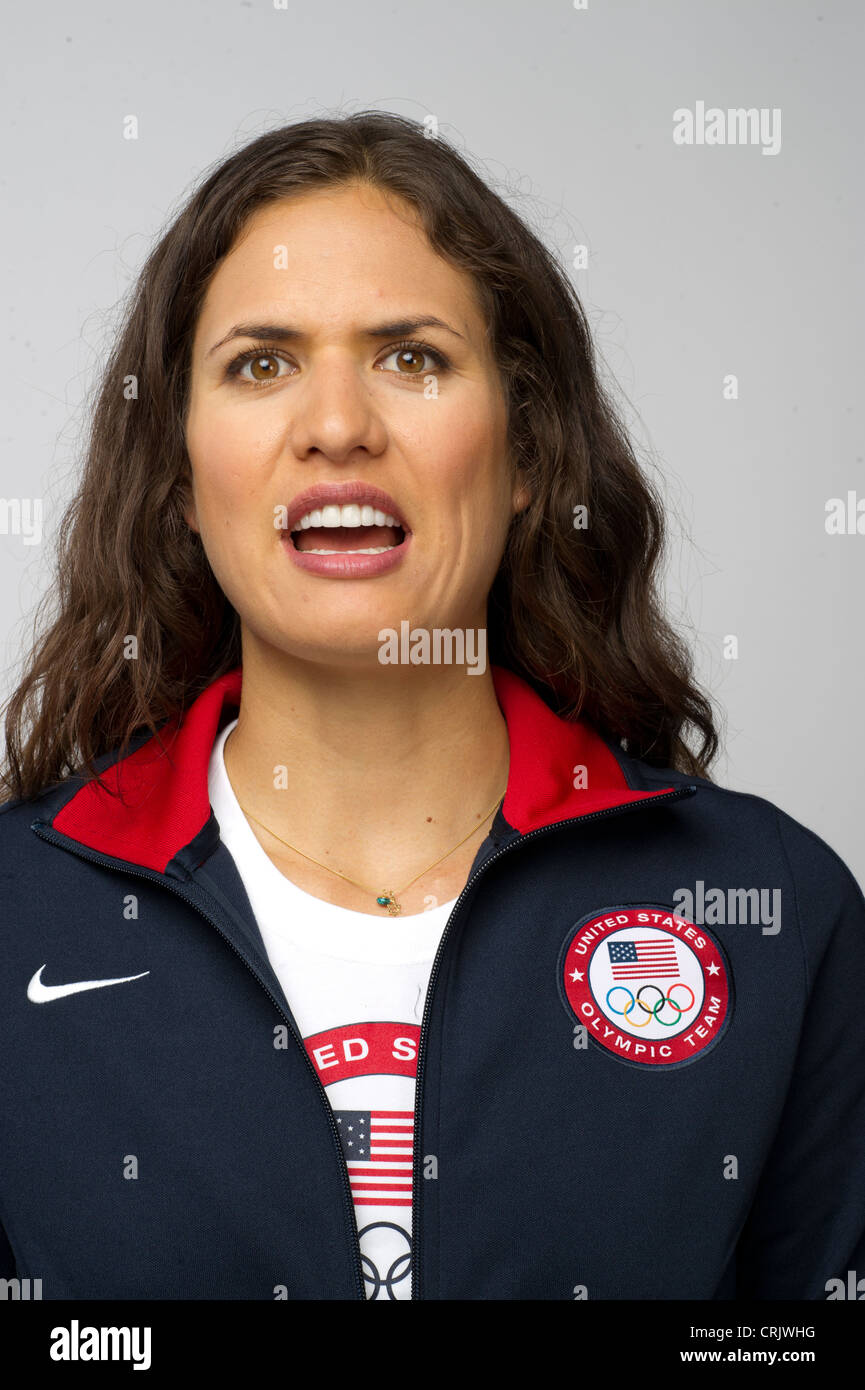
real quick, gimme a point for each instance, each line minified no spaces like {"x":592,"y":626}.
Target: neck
{"x":384,"y":769}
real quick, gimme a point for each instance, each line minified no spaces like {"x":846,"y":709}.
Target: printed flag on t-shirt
{"x":378,"y":1152}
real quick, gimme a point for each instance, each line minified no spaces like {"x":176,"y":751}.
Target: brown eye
{"x":410,"y":359}
{"x":414,"y":365}
{"x":263,"y":364}
{"x":264,"y":367}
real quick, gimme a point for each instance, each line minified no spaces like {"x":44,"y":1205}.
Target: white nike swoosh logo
{"x":38,"y":993}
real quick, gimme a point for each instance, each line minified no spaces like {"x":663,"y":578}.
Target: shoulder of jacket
{"x":23,"y":811}
{"x":810,"y":857}
{"x":806,"y":850}
{"x":19,"y":809}
{"x":18,"y":813}
{"x":827,"y":902}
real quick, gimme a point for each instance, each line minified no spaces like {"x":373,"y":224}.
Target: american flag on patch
{"x":649,"y":959}
{"x":378,"y":1152}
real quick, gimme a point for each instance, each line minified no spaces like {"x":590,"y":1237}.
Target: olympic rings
{"x":655,"y":1010}
{"x":387,"y":1281}
{"x":680,"y":984}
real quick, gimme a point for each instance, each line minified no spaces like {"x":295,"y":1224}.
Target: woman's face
{"x":327,"y":396}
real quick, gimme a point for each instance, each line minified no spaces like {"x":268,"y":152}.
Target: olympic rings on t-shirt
{"x":655,"y":1010}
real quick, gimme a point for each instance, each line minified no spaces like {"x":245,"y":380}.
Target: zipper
{"x":424,"y":1028}
{"x":47,"y":832}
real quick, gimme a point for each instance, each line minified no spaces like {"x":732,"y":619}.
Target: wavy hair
{"x":574,"y":612}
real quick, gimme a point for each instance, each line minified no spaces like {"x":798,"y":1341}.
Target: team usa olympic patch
{"x":650,"y":987}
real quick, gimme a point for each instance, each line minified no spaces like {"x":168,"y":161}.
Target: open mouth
{"x":347,"y":530}
{"x":359,"y":540}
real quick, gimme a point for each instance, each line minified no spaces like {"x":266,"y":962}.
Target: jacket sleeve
{"x":807,"y":1223}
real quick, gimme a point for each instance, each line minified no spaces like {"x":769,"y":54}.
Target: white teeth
{"x":350,"y":515}
{"x":370,"y":550}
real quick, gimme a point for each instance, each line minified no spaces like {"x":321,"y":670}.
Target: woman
{"x":348,"y":956}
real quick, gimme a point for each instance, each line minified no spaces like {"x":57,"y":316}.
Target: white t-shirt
{"x":356,"y":984}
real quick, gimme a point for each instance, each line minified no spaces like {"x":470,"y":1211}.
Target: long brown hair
{"x":573,"y":611}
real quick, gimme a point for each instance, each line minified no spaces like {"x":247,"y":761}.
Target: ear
{"x":522,"y":494}
{"x":190,"y":515}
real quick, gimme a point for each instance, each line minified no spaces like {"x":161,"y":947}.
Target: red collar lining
{"x":166,"y":802}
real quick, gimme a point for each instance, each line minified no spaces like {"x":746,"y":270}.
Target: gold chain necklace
{"x":388,"y":899}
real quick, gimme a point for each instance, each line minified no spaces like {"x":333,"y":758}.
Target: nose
{"x":332,"y":411}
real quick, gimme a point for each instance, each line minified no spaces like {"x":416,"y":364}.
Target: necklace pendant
{"x":389,"y":901}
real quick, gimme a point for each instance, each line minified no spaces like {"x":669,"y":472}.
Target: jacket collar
{"x":166,"y":804}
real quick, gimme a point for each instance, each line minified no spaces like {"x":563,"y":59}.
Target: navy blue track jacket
{"x":627,"y":1092}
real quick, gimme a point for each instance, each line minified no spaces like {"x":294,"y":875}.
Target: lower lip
{"x":346,"y":565}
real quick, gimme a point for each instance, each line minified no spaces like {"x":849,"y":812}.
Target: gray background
{"x":702,"y":261}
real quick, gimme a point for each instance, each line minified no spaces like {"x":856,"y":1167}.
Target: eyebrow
{"x":284,"y":332}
